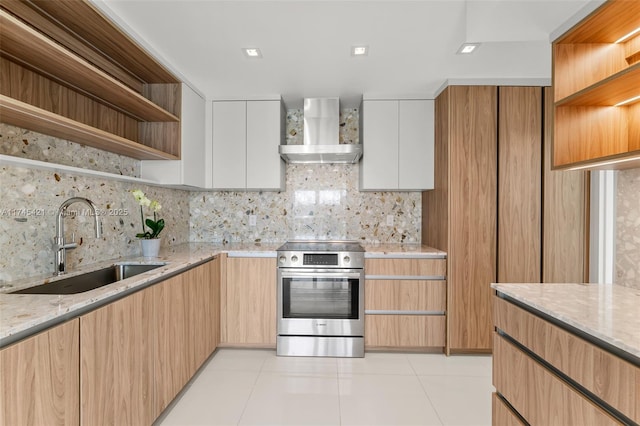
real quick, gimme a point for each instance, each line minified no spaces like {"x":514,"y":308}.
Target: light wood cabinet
{"x":487,"y":210}
{"x":502,"y":414}
{"x":69,"y":72}
{"x":138,"y":353}
{"x":405,"y":303}
{"x":39,"y":378}
{"x":117,"y":362}
{"x":246,"y":136}
{"x":249,"y":300}
{"x":191,"y":169}
{"x":397,"y":136}
{"x":610,"y":378}
{"x":594,"y":73}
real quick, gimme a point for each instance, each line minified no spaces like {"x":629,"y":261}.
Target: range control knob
{"x":282,"y":259}
{"x":346,"y":259}
{"x":294,"y":258}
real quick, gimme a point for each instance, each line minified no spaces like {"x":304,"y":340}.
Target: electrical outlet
{"x":390,"y":220}
{"x":252,"y":220}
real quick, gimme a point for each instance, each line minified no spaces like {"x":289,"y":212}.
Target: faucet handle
{"x":73,"y":237}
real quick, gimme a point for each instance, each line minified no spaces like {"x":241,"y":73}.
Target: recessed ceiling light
{"x":359,"y":50}
{"x":467,"y":48}
{"x":252,"y":52}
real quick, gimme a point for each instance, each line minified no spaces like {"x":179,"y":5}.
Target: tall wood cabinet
{"x":487,"y":209}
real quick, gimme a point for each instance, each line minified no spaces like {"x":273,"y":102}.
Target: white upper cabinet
{"x":246,"y":136}
{"x":190,"y":170}
{"x":398,"y":145}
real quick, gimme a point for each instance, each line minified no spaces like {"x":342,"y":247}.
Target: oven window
{"x":327,"y":298}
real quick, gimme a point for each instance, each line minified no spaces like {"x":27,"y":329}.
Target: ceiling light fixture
{"x":252,"y":52}
{"x":467,"y":48}
{"x":359,"y":50}
{"x":631,"y":34}
{"x":628,"y":101}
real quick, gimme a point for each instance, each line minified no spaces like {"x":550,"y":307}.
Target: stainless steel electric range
{"x":320,"y":299}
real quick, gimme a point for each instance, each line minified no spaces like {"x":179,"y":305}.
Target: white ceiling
{"x":306,"y":43}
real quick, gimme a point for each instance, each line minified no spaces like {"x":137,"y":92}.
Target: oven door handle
{"x":322,"y":273}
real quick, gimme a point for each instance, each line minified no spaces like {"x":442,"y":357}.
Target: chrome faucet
{"x":59,"y":245}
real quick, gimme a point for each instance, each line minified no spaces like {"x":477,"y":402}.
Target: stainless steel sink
{"x":90,"y":280}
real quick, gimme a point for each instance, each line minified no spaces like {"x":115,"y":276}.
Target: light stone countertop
{"x":610,"y":313}
{"x":24,"y":314}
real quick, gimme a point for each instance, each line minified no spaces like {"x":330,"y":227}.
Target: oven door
{"x":320,"y":302}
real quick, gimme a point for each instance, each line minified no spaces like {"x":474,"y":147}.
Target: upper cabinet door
{"x":229,"y":145}
{"x":416,"y":142}
{"x":191,"y":168}
{"x":379,"y":165}
{"x":398,"y":144}
{"x":265,"y":127}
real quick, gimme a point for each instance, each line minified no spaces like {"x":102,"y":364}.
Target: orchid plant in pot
{"x":149,"y":238}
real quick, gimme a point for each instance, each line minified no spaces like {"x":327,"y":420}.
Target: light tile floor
{"x":254,"y":387}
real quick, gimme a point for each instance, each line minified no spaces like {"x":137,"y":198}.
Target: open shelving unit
{"x":594,"y":73}
{"x":85,"y":83}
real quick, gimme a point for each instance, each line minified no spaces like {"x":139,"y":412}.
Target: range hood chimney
{"x":321,"y":136}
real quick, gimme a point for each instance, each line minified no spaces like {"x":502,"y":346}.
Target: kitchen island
{"x":566,"y":354}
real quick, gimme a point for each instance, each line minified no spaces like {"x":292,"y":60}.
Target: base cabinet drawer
{"x":502,"y":414}
{"x":538,"y":395}
{"x":406,"y":295}
{"x":404,"y":331}
{"x":406,"y":267}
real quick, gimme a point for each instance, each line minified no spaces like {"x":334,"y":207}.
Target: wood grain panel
{"x":435,"y":203}
{"x":607,"y":376}
{"x":215,"y":272}
{"x":223,"y":298}
{"x":501,"y":414}
{"x":251,"y":301}
{"x":410,"y":331}
{"x":632,"y":50}
{"x":578,"y":66}
{"x":611,"y":91}
{"x":41,"y":53}
{"x":116,"y":362}
{"x":472,"y":215}
{"x":39,"y":379}
{"x":29,"y":13}
{"x":564,"y":213}
{"x":539,"y":396}
{"x":612,"y":20}
{"x":27,"y":86}
{"x":99,"y":31}
{"x":173,"y":359}
{"x":519,"y":184}
{"x":407,"y":295}
{"x":633,"y":112}
{"x":413,"y":267}
{"x":586,"y":133}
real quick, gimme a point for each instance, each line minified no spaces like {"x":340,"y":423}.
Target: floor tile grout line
{"x":253,"y":388}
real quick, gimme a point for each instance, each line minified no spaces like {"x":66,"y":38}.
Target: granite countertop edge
{"x":24,"y":314}
{"x":608,"y":312}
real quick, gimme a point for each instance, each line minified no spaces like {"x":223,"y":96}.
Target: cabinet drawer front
{"x":501,"y":414}
{"x":404,"y":331}
{"x":612,"y":379}
{"x":538,"y":395}
{"x":410,"y":267}
{"x":410,"y":295}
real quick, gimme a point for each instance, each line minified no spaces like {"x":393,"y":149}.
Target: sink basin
{"x":90,"y":280}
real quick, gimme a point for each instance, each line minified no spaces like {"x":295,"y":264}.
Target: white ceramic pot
{"x":150,"y":247}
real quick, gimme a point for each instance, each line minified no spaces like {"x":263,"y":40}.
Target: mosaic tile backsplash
{"x":24,"y":143}
{"x":321,"y":201}
{"x":628,"y":229}
{"x":29,"y":201}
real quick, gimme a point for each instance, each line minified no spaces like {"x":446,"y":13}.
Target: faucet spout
{"x":59,"y":244}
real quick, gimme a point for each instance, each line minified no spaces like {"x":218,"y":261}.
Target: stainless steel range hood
{"x":321,"y":136}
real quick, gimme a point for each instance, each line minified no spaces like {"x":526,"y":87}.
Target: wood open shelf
{"x":23,"y":44}
{"x":591,"y":74}
{"x":66,"y":70}
{"x":608,"y":92}
{"x":24,"y":115}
